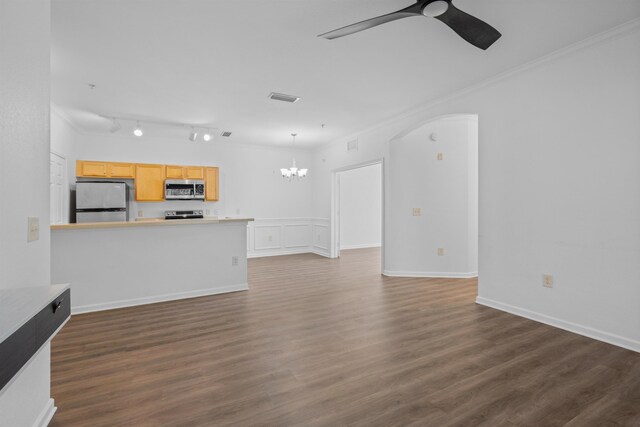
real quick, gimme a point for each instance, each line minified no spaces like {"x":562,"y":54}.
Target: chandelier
{"x":293,"y":172}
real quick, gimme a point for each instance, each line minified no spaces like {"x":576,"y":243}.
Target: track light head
{"x":115,"y":126}
{"x":207,"y":136}
{"x":138,"y":130}
{"x":193,"y":135}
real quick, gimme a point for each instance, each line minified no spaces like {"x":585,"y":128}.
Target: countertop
{"x":148,"y":222}
{"x":21,"y":304}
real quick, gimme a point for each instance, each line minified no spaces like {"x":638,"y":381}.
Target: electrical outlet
{"x":440,"y":251}
{"x":547,"y":280}
{"x":207,"y":212}
{"x":140,"y":214}
{"x":440,"y":156}
{"x":417,"y":211}
{"x":33,"y":228}
{"x":270,"y":238}
{"x":234,"y":260}
{"x":318,"y":238}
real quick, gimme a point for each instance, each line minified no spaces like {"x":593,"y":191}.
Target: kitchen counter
{"x":147,"y":222}
{"x":121,"y":264}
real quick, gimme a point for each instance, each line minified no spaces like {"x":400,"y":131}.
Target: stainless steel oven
{"x":183,"y":189}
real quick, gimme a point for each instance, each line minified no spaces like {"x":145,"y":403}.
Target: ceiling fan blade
{"x":407,"y":12}
{"x":477,"y":32}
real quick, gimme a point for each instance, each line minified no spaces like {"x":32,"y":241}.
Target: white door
{"x":57,"y":187}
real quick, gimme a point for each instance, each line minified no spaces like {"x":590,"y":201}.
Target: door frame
{"x":334,"y":249}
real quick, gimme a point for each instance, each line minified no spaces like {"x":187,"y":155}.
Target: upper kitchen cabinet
{"x":184,"y":172}
{"x":121,"y":170}
{"x":149,"y":183}
{"x":91,"y":169}
{"x":174,"y":172}
{"x":211,"y":184}
{"x":193,"y":172}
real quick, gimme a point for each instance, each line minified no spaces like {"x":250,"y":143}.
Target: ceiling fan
{"x":470,"y":28}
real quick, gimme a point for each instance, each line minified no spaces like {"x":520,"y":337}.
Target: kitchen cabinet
{"x":121,"y":170}
{"x":184,"y":172}
{"x":211,"y":184}
{"x":91,"y":169}
{"x":194,"y":172}
{"x":174,"y":172}
{"x":149,"y":183}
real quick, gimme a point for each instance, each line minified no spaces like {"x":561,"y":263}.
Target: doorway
{"x":357,"y":220}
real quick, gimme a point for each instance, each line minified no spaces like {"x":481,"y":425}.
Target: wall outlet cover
{"x":33,"y":228}
{"x":417,"y":211}
{"x":440,"y":251}
{"x":547,"y":280}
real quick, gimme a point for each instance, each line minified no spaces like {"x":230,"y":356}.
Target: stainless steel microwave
{"x":184,"y":189}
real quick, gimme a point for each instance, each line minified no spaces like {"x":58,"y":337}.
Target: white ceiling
{"x":213,"y":62}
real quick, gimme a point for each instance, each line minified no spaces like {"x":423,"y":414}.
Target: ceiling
{"x":213,"y":62}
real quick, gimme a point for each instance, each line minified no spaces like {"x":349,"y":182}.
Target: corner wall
{"x":559,"y":184}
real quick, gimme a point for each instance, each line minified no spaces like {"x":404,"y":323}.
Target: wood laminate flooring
{"x":320,"y":342}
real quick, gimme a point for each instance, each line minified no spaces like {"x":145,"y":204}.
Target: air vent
{"x":282,"y":97}
{"x":226,"y":133}
{"x":352,"y":145}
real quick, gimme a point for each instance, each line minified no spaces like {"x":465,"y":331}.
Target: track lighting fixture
{"x":207,"y":135}
{"x":115,"y":126}
{"x":138,"y":130}
{"x":193,"y":135}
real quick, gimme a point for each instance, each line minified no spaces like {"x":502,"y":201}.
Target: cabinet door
{"x":175,"y":172}
{"x":194,"y":172}
{"x":121,"y":170}
{"x":85,"y":168}
{"x":211,"y":184}
{"x":149,"y":183}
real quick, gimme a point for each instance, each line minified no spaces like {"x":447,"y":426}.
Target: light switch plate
{"x":547,"y":281}
{"x":417,"y":211}
{"x":33,"y":228}
{"x":440,"y":251}
{"x":440,"y":156}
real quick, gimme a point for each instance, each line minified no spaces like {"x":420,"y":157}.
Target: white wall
{"x":24,"y":141}
{"x":559,"y":184}
{"x":445,"y":191}
{"x":361,"y":207}
{"x":24,"y":184}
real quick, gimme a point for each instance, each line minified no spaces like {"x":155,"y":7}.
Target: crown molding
{"x":610,"y":34}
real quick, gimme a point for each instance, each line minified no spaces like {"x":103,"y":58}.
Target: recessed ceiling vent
{"x":226,"y":133}
{"x":283,"y":97}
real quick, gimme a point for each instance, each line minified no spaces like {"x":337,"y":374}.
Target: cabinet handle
{"x":56,"y":305}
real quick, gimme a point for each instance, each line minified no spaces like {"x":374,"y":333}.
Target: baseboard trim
{"x":586,"y":331}
{"x":430,"y":274}
{"x":320,"y":252}
{"x":362,"y":246}
{"x":46,"y":415}
{"x":159,"y":298}
{"x":266,"y":253}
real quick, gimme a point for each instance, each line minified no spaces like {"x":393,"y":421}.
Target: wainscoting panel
{"x":285,"y":236}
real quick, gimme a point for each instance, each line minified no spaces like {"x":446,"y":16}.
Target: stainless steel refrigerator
{"x":101,"y":201}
